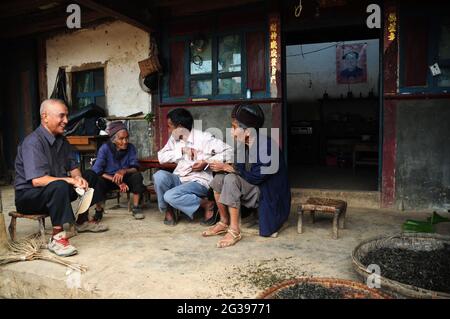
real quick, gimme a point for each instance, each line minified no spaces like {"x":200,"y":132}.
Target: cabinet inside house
{"x":349,"y":131}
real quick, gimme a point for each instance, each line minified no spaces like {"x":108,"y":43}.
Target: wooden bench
{"x":14,"y":215}
{"x":331,"y":206}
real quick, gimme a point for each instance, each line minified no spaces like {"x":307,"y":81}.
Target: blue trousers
{"x":171,"y":192}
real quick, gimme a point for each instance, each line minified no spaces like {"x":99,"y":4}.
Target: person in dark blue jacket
{"x":116,"y":167}
{"x":258,"y":179}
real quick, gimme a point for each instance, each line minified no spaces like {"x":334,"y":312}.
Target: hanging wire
{"x":298,"y":9}
{"x":314,"y":51}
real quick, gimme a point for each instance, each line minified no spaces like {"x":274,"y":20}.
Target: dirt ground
{"x":147,"y":259}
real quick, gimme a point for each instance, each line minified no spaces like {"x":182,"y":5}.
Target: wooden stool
{"x":14,"y":215}
{"x":332,"y":206}
{"x":117,"y":194}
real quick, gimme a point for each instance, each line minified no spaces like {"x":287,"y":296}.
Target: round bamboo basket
{"x":413,"y":241}
{"x":355,"y":290}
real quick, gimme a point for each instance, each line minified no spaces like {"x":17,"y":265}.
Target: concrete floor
{"x":146,"y":259}
{"x":364,"y":178}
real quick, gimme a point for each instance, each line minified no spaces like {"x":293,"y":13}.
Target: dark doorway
{"x":332,"y":72}
{"x":19,"y":96}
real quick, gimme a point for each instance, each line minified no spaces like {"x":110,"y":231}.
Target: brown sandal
{"x":236,"y":236}
{"x":210,"y":231}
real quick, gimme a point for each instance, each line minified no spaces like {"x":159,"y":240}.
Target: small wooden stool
{"x":116,"y":194}
{"x":14,"y":215}
{"x":332,"y":206}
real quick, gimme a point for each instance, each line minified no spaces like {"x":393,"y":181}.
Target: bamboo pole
{"x":3,"y":237}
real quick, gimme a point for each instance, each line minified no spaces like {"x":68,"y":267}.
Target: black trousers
{"x":102,"y":186}
{"x":53,"y":199}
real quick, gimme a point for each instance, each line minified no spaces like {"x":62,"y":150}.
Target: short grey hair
{"x":46,"y":103}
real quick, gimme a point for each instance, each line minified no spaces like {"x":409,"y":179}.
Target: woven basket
{"x":357,"y":290}
{"x":418,"y":241}
{"x":151,"y":64}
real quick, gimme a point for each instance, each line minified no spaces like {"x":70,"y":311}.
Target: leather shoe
{"x":173,"y":221}
{"x":213,"y":219}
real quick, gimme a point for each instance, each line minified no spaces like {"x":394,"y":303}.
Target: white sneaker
{"x":59,"y":245}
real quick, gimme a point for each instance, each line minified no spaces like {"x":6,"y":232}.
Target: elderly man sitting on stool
{"x":42,"y":184}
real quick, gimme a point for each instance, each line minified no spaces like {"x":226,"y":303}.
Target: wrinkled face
{"x":178,"y":132}
{"x":55,"y":118}
{"x":238,"y":133}
{"x":121,"y":140}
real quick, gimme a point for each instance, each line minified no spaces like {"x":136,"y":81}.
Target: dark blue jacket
{"x":275,"y":192}
{"x":109,"y":160}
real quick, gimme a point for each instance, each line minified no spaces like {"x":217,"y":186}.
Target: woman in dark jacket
{"x":260,"y":181}
{"x":116,"y":167}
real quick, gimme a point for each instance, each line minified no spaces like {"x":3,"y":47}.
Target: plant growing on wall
{"x":150,"y":117}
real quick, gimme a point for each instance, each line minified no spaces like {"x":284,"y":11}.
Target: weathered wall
{"x":117,"y":45}
{"x":423,"y":154}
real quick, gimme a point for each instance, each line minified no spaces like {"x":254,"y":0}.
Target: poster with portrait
{"x":351,"y":63}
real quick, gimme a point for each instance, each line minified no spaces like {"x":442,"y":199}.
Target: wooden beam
{"x":108,"y":10}
{"x":198,"y":6}
{"x":16,"y":8}
{"x":44,"y":24}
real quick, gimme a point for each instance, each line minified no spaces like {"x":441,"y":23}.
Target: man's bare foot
{"x":208,"y":207}
{"x":170,"y":218}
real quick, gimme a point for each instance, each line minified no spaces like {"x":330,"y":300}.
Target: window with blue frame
{"x":424,"y":41}
{"x":88,"y":87}
{"x":215,"y":66}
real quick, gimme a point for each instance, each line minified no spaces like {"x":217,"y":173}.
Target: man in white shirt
{"x":187,"y":187}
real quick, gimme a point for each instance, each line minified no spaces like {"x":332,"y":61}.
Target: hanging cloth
{"x":59,"y":91}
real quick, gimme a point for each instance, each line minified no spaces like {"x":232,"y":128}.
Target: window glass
{"x":230,"y":85}
{"x":83,"y":101}
{"x":201,"y":87}
{"x":88,"y":87}
{"x":99,"y":82}
{"x":83,"y":82}
{"x":201,"y":56}
{"x":444,"y":43}
{"x":229,"y":59}
{"x":444,"y":77}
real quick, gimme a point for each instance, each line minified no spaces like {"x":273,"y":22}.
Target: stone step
{"x":361,"y":199}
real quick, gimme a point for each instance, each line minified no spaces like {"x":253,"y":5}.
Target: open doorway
{"x":333,"y":114}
